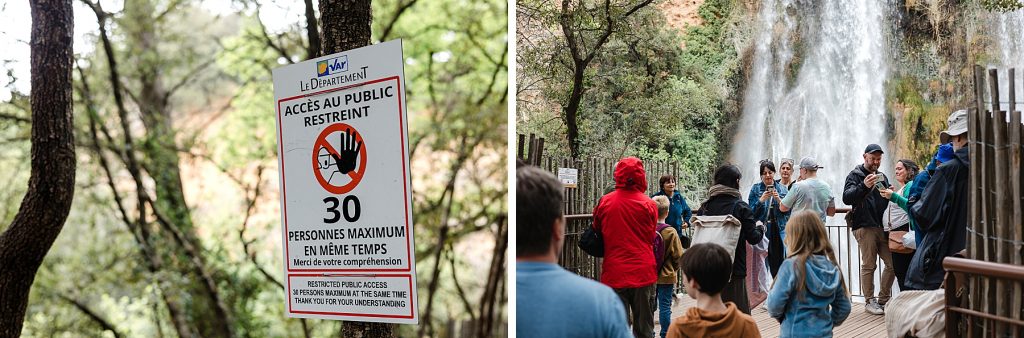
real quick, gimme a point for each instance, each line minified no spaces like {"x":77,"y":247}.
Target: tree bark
{"x":345,"y":25}
{"x":51,"y":186}
{"x":312,"y":33}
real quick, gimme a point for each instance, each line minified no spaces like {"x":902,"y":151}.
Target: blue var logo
{"x":332,"y":66}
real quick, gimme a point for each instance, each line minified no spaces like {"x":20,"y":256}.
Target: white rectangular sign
{"x":346,"y":199}
{"x":568,"y":176}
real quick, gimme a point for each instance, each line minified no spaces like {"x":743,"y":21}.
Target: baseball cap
{"x":957,"y":125}
{"x":945,"y":153}
{"x":873,"y":148}
{"x":809,"y":163}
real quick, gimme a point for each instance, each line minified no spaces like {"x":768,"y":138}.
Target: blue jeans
{"x":664,"y":307}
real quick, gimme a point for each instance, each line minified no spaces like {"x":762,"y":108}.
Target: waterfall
{"x":1008,"y":38}
{"x":834,"y":104}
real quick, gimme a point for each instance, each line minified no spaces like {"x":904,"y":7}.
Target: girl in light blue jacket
{"x":809,"y":296}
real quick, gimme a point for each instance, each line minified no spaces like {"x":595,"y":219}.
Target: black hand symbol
{"x":346,"y":157}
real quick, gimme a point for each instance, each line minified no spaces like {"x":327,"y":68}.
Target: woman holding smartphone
{"x":765,"y":198}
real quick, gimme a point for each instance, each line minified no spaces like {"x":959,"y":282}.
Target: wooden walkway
{"x":860,"y":324}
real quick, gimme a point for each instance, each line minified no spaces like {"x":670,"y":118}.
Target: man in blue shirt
{"x":550,"y":301}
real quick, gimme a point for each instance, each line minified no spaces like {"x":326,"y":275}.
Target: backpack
{"x":591,"y":242}
{"x":659,"y":246}
{"x":723,"y":230}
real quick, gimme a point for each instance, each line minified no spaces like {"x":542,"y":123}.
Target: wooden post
{"x":999,"y":207}
{"x":540,"y":149}
{"x":988,"y":176}
{"x":977,"y":190}
{"x":519,"y":148}
{"x":1013,"y":226}
{"x":530,"y":158}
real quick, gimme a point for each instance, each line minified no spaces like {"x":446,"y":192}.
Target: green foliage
{"x":224,"y":133}
{"x":1001,"y":5}
{"x":646,"y":95}
{"x":921,"y":120}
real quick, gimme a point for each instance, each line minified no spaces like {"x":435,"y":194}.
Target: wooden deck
{"x":860,"y":324}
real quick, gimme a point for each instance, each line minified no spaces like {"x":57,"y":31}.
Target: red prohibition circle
{"x":322,"y":143}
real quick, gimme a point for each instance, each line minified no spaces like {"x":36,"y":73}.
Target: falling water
{"x":817,"y":89}
{"x":1008,"y":37}
{"x":834,"y":106}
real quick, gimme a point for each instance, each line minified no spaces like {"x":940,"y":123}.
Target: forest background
{"x":175,"y":223}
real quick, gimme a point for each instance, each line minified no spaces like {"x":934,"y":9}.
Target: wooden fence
{"x":992,"y":304}
{"x":595,"y":178}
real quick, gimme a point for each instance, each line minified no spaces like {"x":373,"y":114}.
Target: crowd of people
{"x":909,"y":224}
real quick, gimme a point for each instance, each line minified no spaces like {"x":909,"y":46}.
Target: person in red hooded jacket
{"x":626,"y":219}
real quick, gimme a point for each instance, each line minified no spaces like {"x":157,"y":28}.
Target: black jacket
{"x":941,"y":215}
{"x":725,"y":205}
{"x":868,"y":205}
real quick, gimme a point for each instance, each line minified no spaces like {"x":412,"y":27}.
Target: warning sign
{"x":346,"y":199}
{"x":339,"y":168}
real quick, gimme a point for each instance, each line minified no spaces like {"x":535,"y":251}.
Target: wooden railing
{"x":961,"y":320}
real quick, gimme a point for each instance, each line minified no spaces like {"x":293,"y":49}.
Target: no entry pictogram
{"x":339,"y":158}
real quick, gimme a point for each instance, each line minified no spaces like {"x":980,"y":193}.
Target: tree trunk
{"x":52,"y":182}
{"x":207,"y":312}
{"x":140,"y":226}
{"x":489,"y":299}
{"x":571,"y":109}
{"x":345,"y":25}
{"x":312,"y":34}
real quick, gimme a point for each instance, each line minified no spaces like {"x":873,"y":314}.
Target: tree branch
{"x":186,"y":79}
{"x":398,"y":14}
{"x":458,"y":287}
{"x":106,"y":325}
{"x":250,"y":207}
{"x":312,"y":33}
{"x":269,"y":42}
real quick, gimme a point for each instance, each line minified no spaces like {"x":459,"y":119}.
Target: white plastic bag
{"x":910,"y":240}
{"x":763,"y":245}
{"x":758,"y":278}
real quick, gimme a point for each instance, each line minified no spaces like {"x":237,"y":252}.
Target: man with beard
{"x":865,"y":219}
